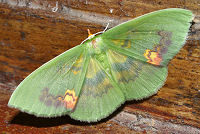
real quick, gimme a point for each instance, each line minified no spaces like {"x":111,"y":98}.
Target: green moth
{"x":91,"y":80}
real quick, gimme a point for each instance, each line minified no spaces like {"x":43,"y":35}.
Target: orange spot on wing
{"x":152,"y":57}
{"x":70,"y":99}
{"x":75,"y":72}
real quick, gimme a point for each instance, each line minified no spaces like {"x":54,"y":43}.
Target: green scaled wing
{"x":90,"y":81}
{"x":154,"y":38}
{"x":136,"y":79}
{"x":100,"y":95}
{"x":139,"y":50}
{"x":52,"y":89}
{"x":131,"y":57}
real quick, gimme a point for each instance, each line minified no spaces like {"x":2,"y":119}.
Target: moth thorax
{"x":96,"y":46}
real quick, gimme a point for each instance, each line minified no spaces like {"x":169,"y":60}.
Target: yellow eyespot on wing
{"x":70,"y":99}
{"x":152,"y":57}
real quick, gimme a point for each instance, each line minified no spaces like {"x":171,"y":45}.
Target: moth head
{"x":90,"y":36}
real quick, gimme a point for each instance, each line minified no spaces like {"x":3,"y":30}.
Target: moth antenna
{"x":84,"y":40}
{"x":92,"y":35}
{"x":103,"y":30}
{"x":106,"y":27}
